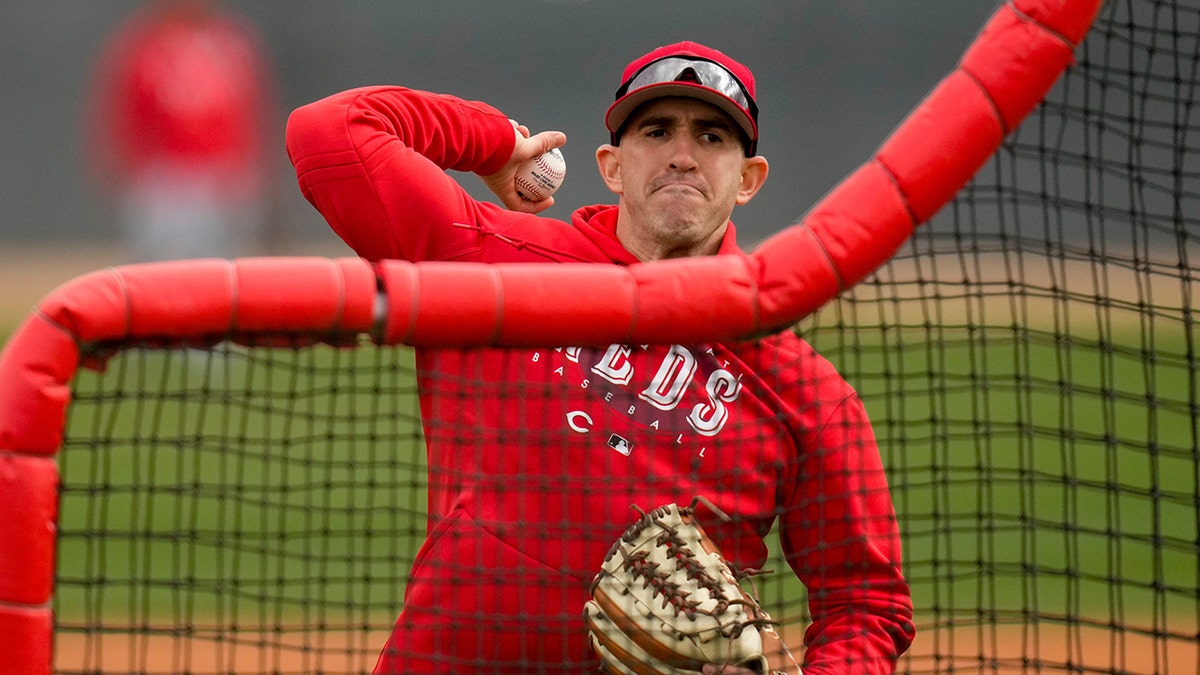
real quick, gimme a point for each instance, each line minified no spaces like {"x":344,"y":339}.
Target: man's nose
{"x":683,"y":153}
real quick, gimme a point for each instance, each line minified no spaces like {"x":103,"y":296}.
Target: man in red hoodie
{"x":523,"y":508}
{"x":181,"y":106}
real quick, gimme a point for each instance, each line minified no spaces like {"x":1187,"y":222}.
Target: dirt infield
{"x":243,"y":652}
{"x":998,"y":650}
{"x":1048,"y":648}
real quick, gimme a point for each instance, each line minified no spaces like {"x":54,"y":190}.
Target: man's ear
{"x":608,"y":160}
{"x":754,"y":174}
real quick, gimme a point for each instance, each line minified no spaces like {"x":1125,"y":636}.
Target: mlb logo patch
{"x":620,"y":445}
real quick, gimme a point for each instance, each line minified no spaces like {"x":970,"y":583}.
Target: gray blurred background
{"x":834,"y":77}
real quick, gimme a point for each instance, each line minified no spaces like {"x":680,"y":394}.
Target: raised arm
{"x":373,"y":161}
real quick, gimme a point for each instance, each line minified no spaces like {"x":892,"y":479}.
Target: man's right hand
{"x":526,"y":147}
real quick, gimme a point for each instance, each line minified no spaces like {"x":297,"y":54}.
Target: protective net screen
{"x":260,"y":509}
{"x":238,"y":510}
{"x":1028,"y":361}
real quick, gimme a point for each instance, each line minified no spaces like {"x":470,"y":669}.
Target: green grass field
{"x":280,"y":486}
{"x":1035,"y":474}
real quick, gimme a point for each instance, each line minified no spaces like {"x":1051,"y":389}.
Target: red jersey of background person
{"x":182,"y":84}
{"x":535,"y":456}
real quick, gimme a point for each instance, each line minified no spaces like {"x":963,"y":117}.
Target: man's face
{"x":680,"y":170}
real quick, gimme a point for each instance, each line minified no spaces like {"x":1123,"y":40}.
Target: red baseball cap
{"x":692,"y":70}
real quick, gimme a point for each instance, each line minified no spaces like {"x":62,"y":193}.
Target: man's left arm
{"x":840,"y":535}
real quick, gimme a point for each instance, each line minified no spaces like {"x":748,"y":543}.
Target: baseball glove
{"x":665,"y":601}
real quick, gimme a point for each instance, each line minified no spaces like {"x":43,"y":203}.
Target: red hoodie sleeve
{"x":840,"y":534}
{"x":373,"y":161}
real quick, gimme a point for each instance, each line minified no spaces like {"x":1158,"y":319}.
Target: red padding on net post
{"x":167,"y":300}
{"x":1016,"y":59}
{"x":1069,"y":18}
{"x":37,"y":364}
{"x":527,"y":304}
{"x":151,"y":299}
{"x":469,"y":304}
{"x":1003,"y":76}
{"x":398,"y":282}
{"x":842,"y":240}
{"x":696,"y":300}
{"x":249,"y":295}
{"x":451,"y":304}
{"x":795,"y":277}
{"x":28,"y":518}
{"x":941,"y":144}
{"x":196,"y":298}
{"x":866,"y":213}
{"x":571,"y":304}
{"x":304,"y":294}
{"x":28,"y":514}
{"x":25,"y":640}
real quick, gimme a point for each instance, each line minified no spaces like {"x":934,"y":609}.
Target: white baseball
{"x":540,"y":177}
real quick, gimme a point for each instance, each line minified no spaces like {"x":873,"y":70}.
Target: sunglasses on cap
{"x":707,"y":74}
{"x":691,"y":76}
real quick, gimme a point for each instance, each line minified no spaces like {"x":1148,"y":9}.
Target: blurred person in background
{"x":181,"y":112}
